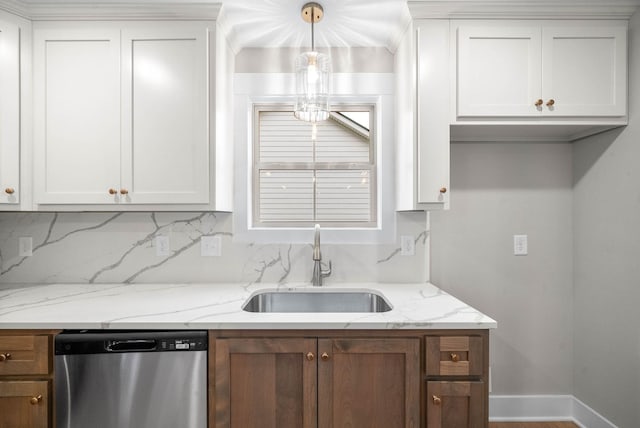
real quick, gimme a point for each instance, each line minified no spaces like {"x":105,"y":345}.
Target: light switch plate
{"x":520,"y":245}
{"x":210,"y":246}
{"x":25,"y":246}
{"x":162,"y":246}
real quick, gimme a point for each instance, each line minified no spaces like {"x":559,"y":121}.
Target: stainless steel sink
{"x":317,"y":301}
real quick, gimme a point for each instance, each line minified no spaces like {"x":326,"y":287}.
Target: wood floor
{"x":532,"y":425}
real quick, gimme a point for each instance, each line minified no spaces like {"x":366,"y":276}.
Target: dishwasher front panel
{"x":132,"y":390}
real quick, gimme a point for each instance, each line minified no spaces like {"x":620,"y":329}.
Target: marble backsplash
{"x":119,"y":248}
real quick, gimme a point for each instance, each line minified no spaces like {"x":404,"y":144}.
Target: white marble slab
{"x":219,"y":306}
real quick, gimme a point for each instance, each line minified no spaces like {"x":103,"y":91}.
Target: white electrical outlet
{"x":407,"y":245}
{"x":520,"y":245}
{"x":162,"y":246}
{"x":210,"y":246}
{"x":25,"y":246}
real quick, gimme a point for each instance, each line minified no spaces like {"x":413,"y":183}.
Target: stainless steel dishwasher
{"x":125,"y":379}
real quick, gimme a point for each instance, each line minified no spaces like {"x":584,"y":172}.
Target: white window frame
{"x":370,"y":166}
{"x":357,"y":88}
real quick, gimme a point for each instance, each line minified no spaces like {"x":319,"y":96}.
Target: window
{"x":305,"y":174}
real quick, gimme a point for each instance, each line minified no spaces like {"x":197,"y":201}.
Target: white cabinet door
{"x":77,"y":116}
{"x":541,"y":69}
{"x":165,"y":156}
{"x":9,"y":113}
{"x":432,"y":119}
{"x":498,"y":71}
{"x":584,"y":71}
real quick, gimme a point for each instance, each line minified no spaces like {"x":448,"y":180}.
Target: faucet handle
{"x":326,"y":272}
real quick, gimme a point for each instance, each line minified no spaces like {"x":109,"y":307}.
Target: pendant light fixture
{"x":313,"y":70}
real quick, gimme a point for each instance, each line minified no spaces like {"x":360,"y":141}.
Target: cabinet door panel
{"x":585,"y":71}
{"x":498,"y":71}
{"x":77,"y":112}
{"x":17,"y":408}
{"x":455,"y":405}
{"x":369,"y":383}
{"x":9,"y":114}
{"x":265,"y":383}
{"x":165,"y":156}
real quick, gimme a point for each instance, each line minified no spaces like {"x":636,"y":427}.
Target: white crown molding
{"x":394,"y":39}
{"x":526,"y":9}
{"x":111,"y":11}
{"x":228,"y":32}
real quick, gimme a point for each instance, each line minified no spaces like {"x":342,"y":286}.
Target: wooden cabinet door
{"x":455,"y":405}
{"x":24,"y":355}
{"x":76,"y":116}
{"x":585,"y":70}
{"x":9,"y":114}
{"x":165,"y":154}
{"x":265,"y":383}
{"x":498,"y":70}
{"x":24,"y":404}
{"x":369,"y":383}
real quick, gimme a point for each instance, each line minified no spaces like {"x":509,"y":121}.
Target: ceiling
{"x":278,"y":23}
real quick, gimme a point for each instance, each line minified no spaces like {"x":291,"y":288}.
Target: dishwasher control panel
{"x":109,"y":341}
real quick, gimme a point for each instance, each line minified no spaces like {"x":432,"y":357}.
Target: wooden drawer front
{"x":454,"y":356}
{"x":24,"y":355}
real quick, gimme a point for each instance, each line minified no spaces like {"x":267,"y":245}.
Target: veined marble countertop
{"x":219,"y":306}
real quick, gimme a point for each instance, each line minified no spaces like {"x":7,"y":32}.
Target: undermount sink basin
{"x":317,"y":301}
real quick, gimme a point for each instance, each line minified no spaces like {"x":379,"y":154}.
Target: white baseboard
{"x":520,"y":408}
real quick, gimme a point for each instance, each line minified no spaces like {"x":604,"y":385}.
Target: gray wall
{"x":498,"y":190}
{"x":607,"y":263}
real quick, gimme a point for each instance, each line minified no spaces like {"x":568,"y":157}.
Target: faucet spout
{"x":318,"y":273}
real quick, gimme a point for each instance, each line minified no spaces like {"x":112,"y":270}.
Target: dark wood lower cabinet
{"x":24,"y":404}
{"x":316,"y":382}
{"x":455,"y":404}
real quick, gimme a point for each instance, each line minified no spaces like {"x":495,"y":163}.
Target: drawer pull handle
{"x":455,"y":358}
{"x":35,"y":400}
{"x":4,"y":357}
{"x":325,"y":356}
{"x":9,"y":191}
{"x":310,"y":356}
{"x":539,"y":103}
{"x":437,"y":400}
{"x":443,"y":190}
{"x":112,"y":191}
{"x":124,"y":191}
{"x":551,"y":102}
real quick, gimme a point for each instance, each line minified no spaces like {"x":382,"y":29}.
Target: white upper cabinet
{"x":164,"y":116}
{"x":422,"y":117}
{"x":121,"y":115}
{"x":9,"y":114}
{"x":541,"y":69}
{"x":77,"y":116}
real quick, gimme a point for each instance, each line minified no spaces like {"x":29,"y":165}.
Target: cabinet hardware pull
{"x":443,"y":190}
{"x":325,"y":356}
{"x":539,"y":103}
{"x":9,"y":191}
{"x":310,"y":356}
{"x":550,"y":103}
{"x":112,"y":191}
{"x":4,"y":357}
{"x":455,"y":358}
{"x":124,"y":191}
{"x":437,"y":400}
{"x":36,"y":399}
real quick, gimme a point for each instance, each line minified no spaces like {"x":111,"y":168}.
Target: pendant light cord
{"x":313,"y":19}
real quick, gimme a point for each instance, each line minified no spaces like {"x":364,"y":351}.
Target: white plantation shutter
{"x":302,"y":176}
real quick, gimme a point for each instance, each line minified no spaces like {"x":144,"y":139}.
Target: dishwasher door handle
{"x":131,"y":345}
